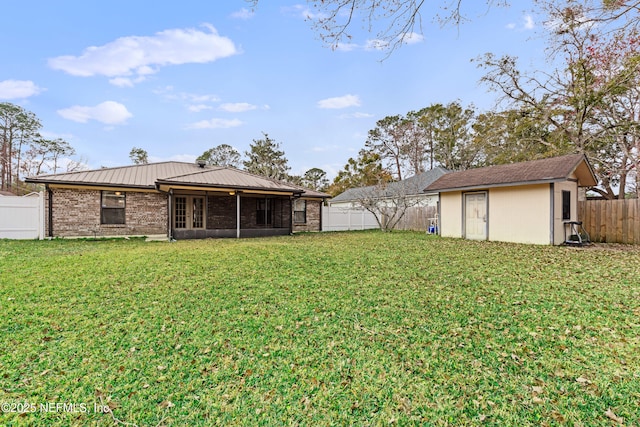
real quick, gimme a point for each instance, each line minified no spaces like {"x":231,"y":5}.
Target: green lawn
{"x":362,"y":328}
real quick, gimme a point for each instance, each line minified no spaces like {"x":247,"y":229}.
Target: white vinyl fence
{"x":419,"y":218}
{"x":22,"y":217}
{"x":342,"y":219}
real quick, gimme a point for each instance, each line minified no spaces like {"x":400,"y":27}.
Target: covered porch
{"x":232,"y":214}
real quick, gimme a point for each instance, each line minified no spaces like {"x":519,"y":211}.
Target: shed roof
{"x":410,"y":186}
{"x":148,"y":176}
{"x":553,"y":169}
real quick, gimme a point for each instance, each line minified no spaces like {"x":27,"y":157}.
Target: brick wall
{"x":314,"y":210}
{"x":76,"y":213}
{"x":221,"y":212}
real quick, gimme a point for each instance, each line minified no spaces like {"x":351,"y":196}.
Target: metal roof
{"x":535,"y":171}
{"x":172,"y":173}
{"x":229,"y":177}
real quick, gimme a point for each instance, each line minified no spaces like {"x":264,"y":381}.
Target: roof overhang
{"x":507,"y":184}
{"x":94,"y":186}
{"x":168,"y":186}
{"x":585,"y":174}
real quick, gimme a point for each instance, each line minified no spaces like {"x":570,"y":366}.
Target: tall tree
{"x":364,"y":170}
{"x":222,"y":155}
{"x":46,"y":155}
{"x":418,"y":147}
{"x":515,"y":136}
{"x":581,"y":100}
{"x":389,"y":139}
{"x":315,"y":179}
{"x":449,"y":127}
{"x":139,"y":156}
{"x":18,"y":128}
{"x":265,"y":158}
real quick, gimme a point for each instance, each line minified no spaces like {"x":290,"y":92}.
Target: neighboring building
{"x":175,"y":200}
{"x":528,"y":202}
{"x":411,"y":187}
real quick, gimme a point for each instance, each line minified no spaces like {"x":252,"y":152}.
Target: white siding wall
{"x":22,"y":217}
{"x":451,"y":214}
{"x":520,"y":214}
{"x":558,"y":229}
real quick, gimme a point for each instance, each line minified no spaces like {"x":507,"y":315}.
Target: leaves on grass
{"x":613,"y":417}
{"x":337,"y":328}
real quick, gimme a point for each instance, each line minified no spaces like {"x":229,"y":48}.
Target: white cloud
{"x":18,"y":89}
{"x":243,"y":13}
{"x":129,"y":60}
{"x":356,"y":116}
{"x":376,"y":44}
{"x":215,"y":123}
{"x":108,"y":112}
{"x":412,"y":38}
{"x":199,"y":107}
{"x":237,"y":107}
{"x":187,"y":158}
{"x":347,"y":47}
{"x":340,"y":102}
{"x":529,"y":24}
{"x":303,"y":12}
{"x":195,"y":102}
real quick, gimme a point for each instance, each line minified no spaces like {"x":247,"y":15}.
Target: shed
{"x":526,"y":202}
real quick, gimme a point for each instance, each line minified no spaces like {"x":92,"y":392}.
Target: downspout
{"x":321,"y":208}
{"x":50,"y":210}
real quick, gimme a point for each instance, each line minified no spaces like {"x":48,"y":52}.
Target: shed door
{"x":475,"y":216}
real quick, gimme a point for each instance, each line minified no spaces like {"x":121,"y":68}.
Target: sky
{"x":178,"y":78}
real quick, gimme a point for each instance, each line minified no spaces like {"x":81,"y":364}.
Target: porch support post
{"x":170,"y":214}
{"x":50,"y":210}
{"x":237,"y":214}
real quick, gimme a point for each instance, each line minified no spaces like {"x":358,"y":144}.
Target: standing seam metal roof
{"x":177,"y":173}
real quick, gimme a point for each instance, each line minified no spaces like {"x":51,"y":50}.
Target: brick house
{"x":176,"y":200}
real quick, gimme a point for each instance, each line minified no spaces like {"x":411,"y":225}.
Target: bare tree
{"x":387,"y":201}
{"x":589,"y":101}
{"x":18,"y":128}
{"x":391,"y":22}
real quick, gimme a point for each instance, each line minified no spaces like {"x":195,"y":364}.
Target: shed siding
{"x":558,"y":232}
{"x":451,"y":214}
{"x":520,"y":214}
{"x":76,"y":213}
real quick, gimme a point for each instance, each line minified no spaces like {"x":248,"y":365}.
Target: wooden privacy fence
{"x":611,"y":221}
{"x":418,"y":218}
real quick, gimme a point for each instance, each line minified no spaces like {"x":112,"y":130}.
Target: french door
{"x":188,"y":212}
